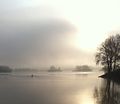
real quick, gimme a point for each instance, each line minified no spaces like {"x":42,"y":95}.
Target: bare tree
{"x":108,"y":53}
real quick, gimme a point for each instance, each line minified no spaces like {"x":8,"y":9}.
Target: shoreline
{"x":114,"y":76}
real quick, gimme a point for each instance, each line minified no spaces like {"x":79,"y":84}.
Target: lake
{"x":57,"y":88}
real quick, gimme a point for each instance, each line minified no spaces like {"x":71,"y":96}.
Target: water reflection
{"x":107,"y":93}
{"x":84,"y":97}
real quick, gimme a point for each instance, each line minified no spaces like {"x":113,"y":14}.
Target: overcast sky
{"x":36,"y":33}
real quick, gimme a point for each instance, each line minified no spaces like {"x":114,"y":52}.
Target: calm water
{"x":57,"y":88}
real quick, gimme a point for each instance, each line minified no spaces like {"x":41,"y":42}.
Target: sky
{"x":35,"y":33}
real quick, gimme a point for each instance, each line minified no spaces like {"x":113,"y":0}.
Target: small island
{"x":54,"y":69}
{"x":83,"y":68}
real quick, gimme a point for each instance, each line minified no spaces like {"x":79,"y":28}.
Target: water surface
{"x":56,"y":88}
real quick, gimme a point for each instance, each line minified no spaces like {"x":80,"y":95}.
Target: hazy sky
{"x":54,"y":32}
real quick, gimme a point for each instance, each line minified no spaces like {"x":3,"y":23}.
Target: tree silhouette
{"x":108,"y":53}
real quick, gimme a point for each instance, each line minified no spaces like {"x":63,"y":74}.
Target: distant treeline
{"x":54,"y":69}
{"x":5,"y":69}
{"x":83,"y":68}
